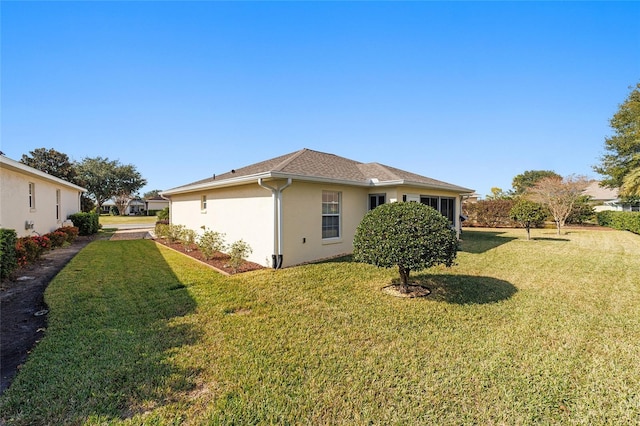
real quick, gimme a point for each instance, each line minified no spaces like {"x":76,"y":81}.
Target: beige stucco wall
{"x":244,"y":212}
{"x":302,"y":204}
{"x":247,"y":212}
{"x":14,"y":203}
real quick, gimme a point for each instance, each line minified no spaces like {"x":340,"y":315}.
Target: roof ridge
{"x":289,"y":159}
{"x":386,"y":169}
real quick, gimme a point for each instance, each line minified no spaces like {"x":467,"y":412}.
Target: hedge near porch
{"x":625,"y":221}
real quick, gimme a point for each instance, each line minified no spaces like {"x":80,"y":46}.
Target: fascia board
{"x":402,"y":182}
{"x":316,"y":179}
{"x":16,"y":166}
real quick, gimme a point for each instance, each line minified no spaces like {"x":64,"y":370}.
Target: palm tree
{"x":631,"y":183}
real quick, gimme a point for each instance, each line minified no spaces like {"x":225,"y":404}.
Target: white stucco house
{"x":135,"y":206}
{"x":607,"y":198}
{"x":302,"y":206}
{"x":155,"y":203}
{"x":34,"y":201}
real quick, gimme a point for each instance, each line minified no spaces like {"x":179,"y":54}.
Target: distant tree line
{"x":104,"y":179}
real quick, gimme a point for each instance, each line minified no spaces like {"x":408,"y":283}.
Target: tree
{"x":52,"y":162}
{"x":152,"y":194}
{"x":559,"y":195}
{"x":528,"y":179}
{"x":105,"y":179}
{"x":411,"y":236}
{"x":97,"y":176}
{"x":498,"y":194}
{"x":631,"y":184}
{"x":527,"y":213}
{"x":623,"y":147}
{"x":127,"y":183}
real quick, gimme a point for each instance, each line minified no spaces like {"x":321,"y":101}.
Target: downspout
{"x":277,"y":221}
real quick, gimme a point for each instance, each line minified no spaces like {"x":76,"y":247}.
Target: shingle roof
{"x":600,"y":193}
{"x":315,"y":164}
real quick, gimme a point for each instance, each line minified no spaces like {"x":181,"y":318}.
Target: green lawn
{"x":519,"y":332}
{"x":106,"y":220}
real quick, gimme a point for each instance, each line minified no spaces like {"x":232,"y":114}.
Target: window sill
{"x":328,"y":241}
{"x":203,"y":212}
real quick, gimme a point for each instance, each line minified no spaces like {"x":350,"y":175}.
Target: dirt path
{"x":23,"y":313}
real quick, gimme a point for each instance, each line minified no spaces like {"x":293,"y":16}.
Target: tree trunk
{"x":404,"y":277}
{"x":528,"y":227}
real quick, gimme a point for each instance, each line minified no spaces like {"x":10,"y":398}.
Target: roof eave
{"x":17,"y":166}
{"x":316,"y":179}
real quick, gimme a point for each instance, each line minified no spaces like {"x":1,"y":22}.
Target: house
{"x":155,"y":204}
{"x":302,"y":206}
{"x":135,"y":206}
{"x":607,"y":198}
{"x":32,"y":201}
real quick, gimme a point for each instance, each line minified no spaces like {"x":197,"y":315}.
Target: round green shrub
{"x":411,"y":236}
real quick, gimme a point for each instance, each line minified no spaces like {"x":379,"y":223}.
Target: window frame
{"x":377,"y":198}
{"x":430,"y":200}
{"x":328,"y":212}
{"x":203,"y":203}
{"x":58,"y":198}
{"x":32,"y":196}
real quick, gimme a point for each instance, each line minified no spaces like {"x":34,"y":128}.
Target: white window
{"x":32,"y":195}
{"x":203,"y":203}
{"x":330,"y":214}
{"x":57,"y":204}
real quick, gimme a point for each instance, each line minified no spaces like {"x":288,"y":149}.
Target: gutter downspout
{"x":276,"y":192}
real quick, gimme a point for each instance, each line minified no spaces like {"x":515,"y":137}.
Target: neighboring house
{"x":607,"y":198}
{"x":156,"y":203}
{"x":302,"y":206}
{"x":135,"y":206}
{"x":32,"y":201}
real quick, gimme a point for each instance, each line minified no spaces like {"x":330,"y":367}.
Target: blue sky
{"x":472,"y":93}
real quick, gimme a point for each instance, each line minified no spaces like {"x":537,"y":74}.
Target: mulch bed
{"x":218,"y":261}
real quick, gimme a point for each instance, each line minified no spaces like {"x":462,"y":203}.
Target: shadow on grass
{"x":465,"y":289}
{"x":549,"y":239}
{"x":112,"y":331}
{"x":477,"y":242}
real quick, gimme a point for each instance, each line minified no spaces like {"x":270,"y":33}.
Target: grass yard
{"x":519,"y":332}
{"x":106,"y":220}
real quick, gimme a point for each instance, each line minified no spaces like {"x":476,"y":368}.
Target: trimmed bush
{"x":57,"y":238}
{"x":8,"y":256}
{"x":70,"y":231}
{"x":87,"y":223}
{"x":411,"y":236}
{"x":210,"y":243}
{"x":29,"y":249}
{"x":238,"y":253}
{"x":489,"y":213}
{"x":625,"y":221}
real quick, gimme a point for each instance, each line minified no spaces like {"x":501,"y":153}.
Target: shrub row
{"x":208,"y":243}
{"x":8,"y":259}
{"x":489,"y":213}
{"x":87,"y":223}
{"x":15,"y":252}
{"x":625,"y":221}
